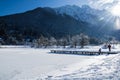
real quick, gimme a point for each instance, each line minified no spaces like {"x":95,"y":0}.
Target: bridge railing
{"x":83,"y":52}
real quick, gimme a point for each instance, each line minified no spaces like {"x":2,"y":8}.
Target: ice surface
{"x":17,"y":63}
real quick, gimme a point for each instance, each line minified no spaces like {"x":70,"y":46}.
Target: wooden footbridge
{"x":84,"y":52}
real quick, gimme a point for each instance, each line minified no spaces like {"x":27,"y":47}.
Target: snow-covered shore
{"x":104,"y":68}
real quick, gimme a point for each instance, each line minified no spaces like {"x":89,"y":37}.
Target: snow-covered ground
{"x":105,"y":68}
{"x":24,"y":63}
{"x":17,"y":63}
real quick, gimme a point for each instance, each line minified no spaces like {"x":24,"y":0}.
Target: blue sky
{"x":17,"y":6}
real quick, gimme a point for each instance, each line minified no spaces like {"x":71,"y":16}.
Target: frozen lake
{"x":27,"y":63}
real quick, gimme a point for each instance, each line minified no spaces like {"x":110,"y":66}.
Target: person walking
{"x":99,"y":51}
{"x":109,"y":47}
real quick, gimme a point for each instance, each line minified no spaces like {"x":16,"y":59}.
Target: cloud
{"x":103,"y":4}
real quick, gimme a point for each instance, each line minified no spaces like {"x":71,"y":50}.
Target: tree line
{"x":71,"y":41}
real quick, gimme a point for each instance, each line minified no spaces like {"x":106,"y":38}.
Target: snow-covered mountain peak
{"x":84,"y":13}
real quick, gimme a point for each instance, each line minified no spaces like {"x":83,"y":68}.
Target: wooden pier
{"x":84,"y":52}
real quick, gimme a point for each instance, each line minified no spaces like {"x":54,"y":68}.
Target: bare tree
{"x":52,"y":41}
{"x":84,"y":40}
{"x":41,"y":42}
{"x":62,"y":42}
{"x":75,"y":41}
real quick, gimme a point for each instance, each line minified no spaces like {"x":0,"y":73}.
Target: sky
{"x":17,"y":6}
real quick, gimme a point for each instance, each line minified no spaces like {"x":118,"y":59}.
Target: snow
{"x":83,"y":13}
{"x":24,"y":63}
{"x":106,"y":68}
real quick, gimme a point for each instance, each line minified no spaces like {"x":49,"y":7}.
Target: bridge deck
{"x":84,"y":52}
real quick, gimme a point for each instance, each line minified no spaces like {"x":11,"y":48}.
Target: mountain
{"x":84,"y":13}
{"x":43,"y":21}
{"x":97,"y":18}
{"x":57,"y":22}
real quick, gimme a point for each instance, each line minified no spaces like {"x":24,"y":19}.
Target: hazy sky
{"x":17,"y":6}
